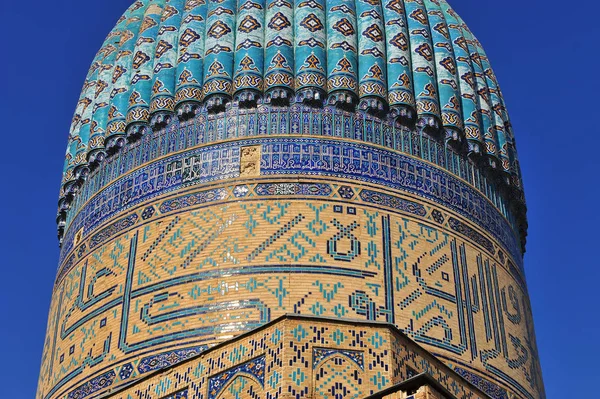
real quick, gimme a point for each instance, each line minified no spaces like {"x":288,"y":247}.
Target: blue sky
{"x":545,"y":56}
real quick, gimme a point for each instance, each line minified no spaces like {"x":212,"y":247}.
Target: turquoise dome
{"x":411,"y":64}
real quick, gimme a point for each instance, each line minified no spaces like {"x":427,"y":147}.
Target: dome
{"x":412,"y":64}
{"x":231,"y":162}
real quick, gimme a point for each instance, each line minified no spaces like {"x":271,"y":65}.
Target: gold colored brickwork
{"x":195,"y":274}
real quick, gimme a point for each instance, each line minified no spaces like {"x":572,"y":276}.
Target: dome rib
{"x":190,"y":62}
{"x":445,"y":67}
{"x":249,"y":53}
{"x":482,"y":90}
{"x":279,"y":52}
{"x":471,"y":118}
{"x":500,"y":115}
{"x":138,"y":112}
{"x":342,"y":62}
{"x":162,"y":103}
{"x":102,"y":104}
{"x":310,"y":43}
{"x":424,"y":70}
{"x":121,"y":83}
{"x":372,"y":71}
{"x":79,"y":135}
{"x":400,"y":75}
{"x":219,"y":54}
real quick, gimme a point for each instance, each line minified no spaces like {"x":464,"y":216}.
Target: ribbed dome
{"x":414,"y":64}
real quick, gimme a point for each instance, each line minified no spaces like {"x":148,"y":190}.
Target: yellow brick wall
{"x":196,"y":274}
